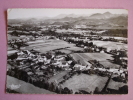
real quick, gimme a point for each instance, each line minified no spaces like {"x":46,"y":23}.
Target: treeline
{"x":53,"y":33}
{"x":25,"y":27}
{"x":116,"y":32}
{"x":16,"y":33}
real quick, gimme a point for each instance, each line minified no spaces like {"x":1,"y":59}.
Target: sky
{"x":34,"y":13}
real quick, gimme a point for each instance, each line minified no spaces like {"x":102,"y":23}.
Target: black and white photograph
{"x":67,"y":51}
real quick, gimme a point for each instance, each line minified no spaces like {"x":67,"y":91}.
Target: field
{"x":75,"y":48}
{"x":115,"y":85}
{"x":70,"y":30}
{"x":28,"y":88}
{"x":52,"y":44}
{"x":9,"y":48}
{"x":58,"y":77}
{"x":85,"y":82}
{"x":10,"y":37}
{"x":66,"y":51}
{"x":110,"y":45}
{"x":120,"y":38}
{"x":103,"y":58}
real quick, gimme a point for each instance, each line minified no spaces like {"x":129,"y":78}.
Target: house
{"x":79,"y":67}
{"x":55,"y":62}
{"x":39,"y":73}
{"x":59,"y":58}
{"x":102,"y":51}
{"x":20,"y":53}
{"x":64,"y":64}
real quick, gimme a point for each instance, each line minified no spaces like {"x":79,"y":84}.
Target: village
{"x":70,"y":62}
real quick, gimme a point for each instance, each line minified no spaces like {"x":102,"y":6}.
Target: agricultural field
{"x":45,"y":45}
{"x":115,"y":85}
{"x":120,"y":38}
{"x":24,"y":87}
{"x":74,"y":48}
{"x":103,"y":58}
{"x":9,"y":48}
{"x":10,"y":37}
{"x":70,"y":30}
{"x":66,"y":51}
{"x":86,"y":82}
{"x":110,"y":45}
{"x":58,"y":77}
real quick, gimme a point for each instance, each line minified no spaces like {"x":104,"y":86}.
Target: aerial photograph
{"x":67,"y":51}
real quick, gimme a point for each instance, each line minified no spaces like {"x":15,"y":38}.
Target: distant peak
{"x":72,"y":14}
{"x":107,"y":13}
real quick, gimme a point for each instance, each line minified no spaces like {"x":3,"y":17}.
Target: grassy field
{"x":70,"y":30}
{"x":120,"y":38}
{"x":74,"y":48}
{"x":115,"y":85}
{"x":52,"y":44}
{"x":85,"y":82}
{"x":58,"y":77}
{"x":97,"y":56}
{"x":103,"y":58}
{"x":111,"y":45}
{"x":9,"y":48}
{"x":65,"y":51}
{"x":25,"y":88}
{"x":10,"y":37}
{"x":35,"y":42}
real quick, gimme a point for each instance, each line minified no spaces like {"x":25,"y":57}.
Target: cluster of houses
{"x":102,"y":70}
{"x":17,"y":43}
{"x":36,"y":68}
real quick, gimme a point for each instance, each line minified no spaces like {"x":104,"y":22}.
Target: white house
{"x":79,"y":67}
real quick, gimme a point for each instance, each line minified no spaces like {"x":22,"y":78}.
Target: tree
{"x":123,"y":90}
{"x":96,"y":91}
{"x":13,"y":56}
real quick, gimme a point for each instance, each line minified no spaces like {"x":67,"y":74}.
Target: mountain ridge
{"x":105,"y":19}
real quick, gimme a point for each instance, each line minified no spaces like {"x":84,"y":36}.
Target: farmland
{"x":101,"y":57}
{"x":45,"y":45}
{"x":58,"y":77}
{"x":121,"y":38}
{"x":110,"y":45}
{"x":29,"y":88}
{"x":86,"y":82}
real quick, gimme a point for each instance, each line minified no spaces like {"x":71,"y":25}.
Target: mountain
{"x":96,"y":16}
{"x":60,"y":16}
{"x":106,"y":20}
{"x":101,"y":16}
{"x":119,"y":20}
{"x":108,"y":15}
{"x":70,"y":15}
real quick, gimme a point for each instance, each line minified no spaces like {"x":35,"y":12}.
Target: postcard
{"x":67,"y":51}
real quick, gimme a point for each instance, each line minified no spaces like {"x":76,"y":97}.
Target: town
{"x":67,"y":59}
